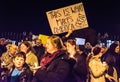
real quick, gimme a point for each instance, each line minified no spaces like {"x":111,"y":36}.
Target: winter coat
{"x":25,"y":76}
{"x":58,"y":70}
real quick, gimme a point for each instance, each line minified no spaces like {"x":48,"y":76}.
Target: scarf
{"x":45,"y":61}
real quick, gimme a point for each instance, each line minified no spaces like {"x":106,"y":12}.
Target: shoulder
{"x":26,"y":69}
{"x":93,"y":60}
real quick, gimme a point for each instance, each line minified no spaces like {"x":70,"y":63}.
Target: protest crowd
{"x":60,"y":59}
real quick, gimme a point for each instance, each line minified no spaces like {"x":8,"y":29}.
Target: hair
{"x":29,"y":45}
{"x":38,"y":40}
{"x":112,"y":47}
{"x":56,"y":40}
{"x":20,"y":54}
{"x":71,"y":41}
{"x":2,"y":39}
{"x":8,"y":46}
{"x":96,"y":50}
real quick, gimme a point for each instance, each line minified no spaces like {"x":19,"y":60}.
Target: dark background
{"x":30,"y":15}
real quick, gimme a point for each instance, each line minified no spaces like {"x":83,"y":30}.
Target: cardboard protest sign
{"x":62,"y":19}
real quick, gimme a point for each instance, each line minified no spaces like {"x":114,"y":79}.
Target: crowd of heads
{"x":28,"y":54}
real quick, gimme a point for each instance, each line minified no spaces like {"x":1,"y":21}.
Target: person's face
{"x":49,"y":46}
{"x":19,"y":62}
{"x":103,"y":50}
{"x":13,"y":50}
{"x":38,"y":42}
{"x":23,"y":48}
{"x":117,"y":49}
{"x":70,"y":47}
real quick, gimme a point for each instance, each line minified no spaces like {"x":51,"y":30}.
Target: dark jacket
{"x":25,"y":76}
{"x":40,"y":50}
{"x":80,"y":68}
{"x":58,"y":70}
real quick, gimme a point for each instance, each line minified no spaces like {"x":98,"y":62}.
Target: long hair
{"x":72,"y":42}
{"x":29,"y":45}
{"x":96,"y":50}
{"x":112,"y":47}
{"x":56,"y":41}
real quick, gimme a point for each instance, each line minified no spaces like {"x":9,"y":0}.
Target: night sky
{"x":30,"y":15}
